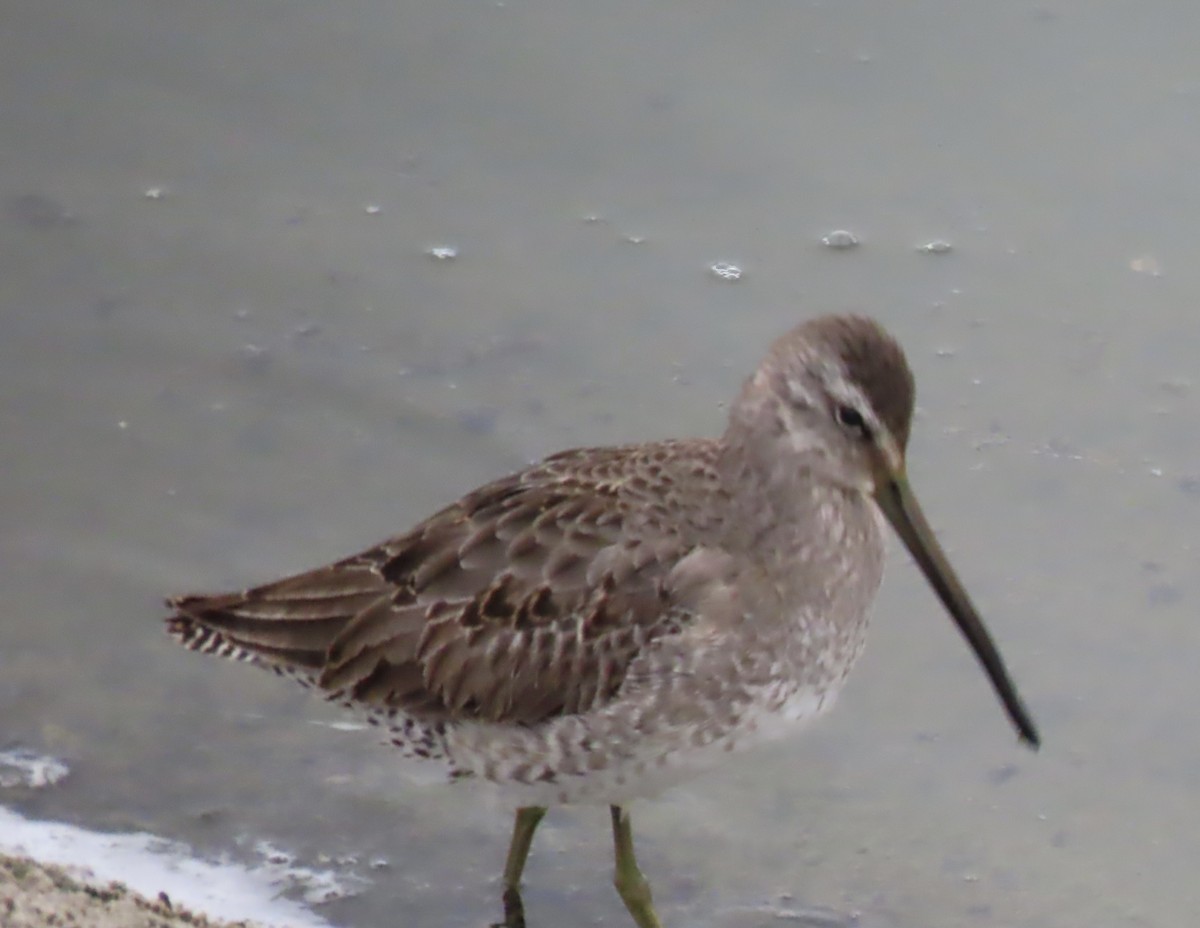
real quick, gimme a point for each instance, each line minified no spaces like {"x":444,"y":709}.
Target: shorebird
{"x":610,"y":621}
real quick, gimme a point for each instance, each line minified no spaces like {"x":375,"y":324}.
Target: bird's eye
{"x":852,"y":419}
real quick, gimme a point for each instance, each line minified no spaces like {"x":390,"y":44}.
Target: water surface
{"x":226,"y":353}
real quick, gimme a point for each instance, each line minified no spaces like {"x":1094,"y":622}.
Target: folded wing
{"x":524,"y":600}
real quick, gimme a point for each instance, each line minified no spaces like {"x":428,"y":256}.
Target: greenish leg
{"x":634,"y":890}
{"x":514,"y":866}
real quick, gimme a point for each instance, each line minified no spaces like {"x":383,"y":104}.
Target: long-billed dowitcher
{"x":612,"y":620}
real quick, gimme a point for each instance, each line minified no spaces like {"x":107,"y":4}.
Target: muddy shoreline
{"x":38,"y":895}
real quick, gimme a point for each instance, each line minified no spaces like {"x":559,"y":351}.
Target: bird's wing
{"x":526,"y":599}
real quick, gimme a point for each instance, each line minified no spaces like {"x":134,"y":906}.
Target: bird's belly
{"x":781,"y":711}
{"x":548,"y":768}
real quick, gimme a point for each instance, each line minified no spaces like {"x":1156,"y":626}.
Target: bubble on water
{"x":442,"y":252}
{"x":726,"y":270}
{"x":1147,"y":264}
{"x":841,"y":239}
{"x":25,"y":768}
{"x":154,"y":193}
{"x":327,"y":882}
{"x":939,"y":246}
{"x":254,"y":358}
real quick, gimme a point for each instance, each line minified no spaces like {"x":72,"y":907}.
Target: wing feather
{"x":528,"y":598}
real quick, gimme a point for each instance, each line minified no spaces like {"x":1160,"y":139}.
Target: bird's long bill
{"x":900,"y":506}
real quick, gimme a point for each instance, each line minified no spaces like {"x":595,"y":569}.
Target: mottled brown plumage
{"x":526,"y":599}
{"x":601,"y":624}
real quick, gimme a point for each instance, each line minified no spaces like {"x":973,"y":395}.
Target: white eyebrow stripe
{"x":799,"y":393}
{"x":846,"y":391}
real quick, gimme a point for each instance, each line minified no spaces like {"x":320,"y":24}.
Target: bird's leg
{"x":634,"y":890}
{"x":518,"y":850}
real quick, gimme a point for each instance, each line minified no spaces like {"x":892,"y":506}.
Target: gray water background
{"x":225,"y":355}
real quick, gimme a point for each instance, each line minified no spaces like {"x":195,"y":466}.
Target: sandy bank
{"x":36,"y":895}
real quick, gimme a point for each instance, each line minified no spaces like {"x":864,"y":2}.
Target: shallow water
{"x":227,"y":353}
